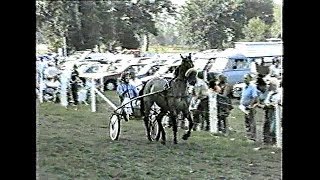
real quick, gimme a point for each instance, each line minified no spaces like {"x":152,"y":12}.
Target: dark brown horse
{"x":174,"y":99}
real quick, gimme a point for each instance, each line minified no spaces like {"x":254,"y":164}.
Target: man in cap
{"x":249,"y":97}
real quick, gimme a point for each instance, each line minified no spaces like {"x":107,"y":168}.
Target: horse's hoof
{"x":175,"y":142}
{"x":163,"y":142}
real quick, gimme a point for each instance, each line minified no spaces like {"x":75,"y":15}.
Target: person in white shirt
{"x":273,"y":98}
{"x":52,"y":87}
{"x":199,"y":99}
{"x":275,"y":69}
{"x":253,"y":67}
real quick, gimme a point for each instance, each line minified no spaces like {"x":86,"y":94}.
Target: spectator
{"x":274,"y":69}
{"x":271,"y":101}
{"x":224,"y":103}
{"x":51,"y":71}
{"x":249,"y":97}
{"x":214,"y":86}
{"x":82,"y":93}
{"x":199,"y":100}
{"x":74,"y":85}
{"x":253,"y":67}
{"x":224,"y":86}
{"x":52,"y":87}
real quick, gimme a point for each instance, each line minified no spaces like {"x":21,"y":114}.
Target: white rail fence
{"x":213,"y":110}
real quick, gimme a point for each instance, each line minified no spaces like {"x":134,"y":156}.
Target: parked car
{"x":235,"y":65}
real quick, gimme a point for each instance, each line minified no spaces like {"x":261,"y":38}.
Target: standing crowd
{"x":60,"y":85}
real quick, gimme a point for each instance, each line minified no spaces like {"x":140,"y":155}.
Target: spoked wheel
{"x":154,"y":128}
{"x":114,"y":127}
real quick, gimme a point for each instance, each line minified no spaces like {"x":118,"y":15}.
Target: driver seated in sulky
{"x":126,"y":91}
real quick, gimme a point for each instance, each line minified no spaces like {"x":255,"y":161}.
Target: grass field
{"x":76,"y":145}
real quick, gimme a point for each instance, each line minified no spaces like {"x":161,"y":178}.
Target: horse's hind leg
{"x":187,"y":135}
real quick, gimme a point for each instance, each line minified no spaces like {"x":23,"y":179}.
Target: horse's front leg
{"x":188,"y":133}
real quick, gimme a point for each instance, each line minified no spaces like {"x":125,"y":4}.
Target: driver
{"x":126,"y":91}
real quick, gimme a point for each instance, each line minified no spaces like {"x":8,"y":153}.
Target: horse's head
{"x":186,"y":64}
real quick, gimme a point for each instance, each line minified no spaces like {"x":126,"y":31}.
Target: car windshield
{"x":149,"y":69}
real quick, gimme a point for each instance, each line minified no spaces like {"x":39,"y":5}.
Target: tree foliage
{"x":86,"y":24}
{"x":256,"y":30}
{"x":276,"y":26}
{"x":217,"y":23}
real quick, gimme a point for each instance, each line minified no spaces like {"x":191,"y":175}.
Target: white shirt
{"x":274,"y":71}
{"x":201,"y":89}
{"x":253,"y":68}
{"x":273,"y":97}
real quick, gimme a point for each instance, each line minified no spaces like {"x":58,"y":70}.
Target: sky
{"x":181,"y":2}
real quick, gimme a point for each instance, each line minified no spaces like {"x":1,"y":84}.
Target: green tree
{"x":276,"y":26}
{"x":262,"y":9}
{"x":86,"y":24}
{"x":55,"y":19}
{"x":210,"y":23}
{"x":256,"y":30}
{"x":218,"y":23}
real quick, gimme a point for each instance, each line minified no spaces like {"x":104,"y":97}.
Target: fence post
{"x":63,"y":89}
{"x":101,"y":84}
{"x":213,"y":112}
{"x":93,"y":96}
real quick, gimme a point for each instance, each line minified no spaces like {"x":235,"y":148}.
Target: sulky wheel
{"x":114,"y":127}
{"x":154,"y":128}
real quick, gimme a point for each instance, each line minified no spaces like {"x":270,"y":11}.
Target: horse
{"x":172,"y":99}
